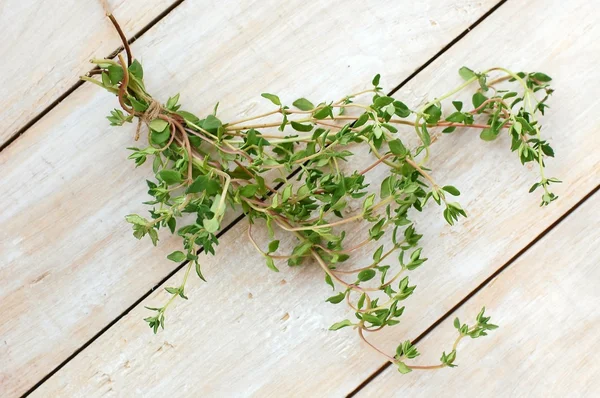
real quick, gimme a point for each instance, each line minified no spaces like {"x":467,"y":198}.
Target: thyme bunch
{"x":205,"y":166}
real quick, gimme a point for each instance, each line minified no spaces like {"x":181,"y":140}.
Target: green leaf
{"x":368,"y":202}
{"x":323,"y":113}
{"x":534,"y":187}
{"x":329,"y":281}
{"x":115,"y":73}
{"x":456,"y":117}
{"x":456,"y":323}
{"x":390,"y":109}
{"x":525,"y":125}
{"x":478,"y":99}
{"x":375,"y":80}
{"x":398,"y":148}
{"x":271,"y":264}
{"x":158,"y":125}
{"x":284,"y":122}
{"x":448,"y":130}
{"x":377,"y":131}
{"x":211,"y":123}
{"x":106,"y":80}
{"x":189,"y":117}
{"x":338,"y":298}
{"x":172,"y":290}
{"x":451,"y":190}
{"x":389,"y":127}
{"x":547,"y":149}
{"x":199,"y":271}
{"x":170,"y":177}
{"x":387,"y":186}
{"x":415,"y":255}
{"x":211,"y":225}
{"x":272,"y":97}
{"x":177,"y":256}
{"x":172,"y":102}
{"x":401,"y":109}
{"x":382,"y":101}
{"x":480,"y":314}
{"x":342,"y":324}
{"x":425,"y":134}
{"x":542,"y":77}
{"x":488,"y":134}
{"x":361,"y":301}
{"x":458,"y":105}
{"x":287,"y":193}
{"x":135,"y":219}
{"x":160,"y":138}
{"x":301,"y":127}
{"x":303,"y":104}
{"x":377,"y":254}
{"x":362,"y":119}
{"x":403,"y":368}
{"x":366,"y":275}
{"x":138,"y":106}
{"x":371,"y":319}
{"x":171,"y":223}
{"x":203,"y":183}
{"x":483,"y":83}
{"x":136,"y":69}
{"x":466,"y":73}
{"x":273,"y":246}
{"x":153,"y":236}
{"x":433,"y":113}
{"x":449,"y":359}
{"x":247,"y":191}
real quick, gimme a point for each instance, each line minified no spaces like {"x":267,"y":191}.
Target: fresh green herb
{"x":206,"y":166}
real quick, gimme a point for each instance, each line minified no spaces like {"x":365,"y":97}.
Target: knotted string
{"x":154,"y":109}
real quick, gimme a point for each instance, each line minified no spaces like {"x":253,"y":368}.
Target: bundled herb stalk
{"x":205,"y":167}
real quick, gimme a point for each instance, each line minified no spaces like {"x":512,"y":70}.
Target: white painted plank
{"x":235,"y":345}
{"x":69,"y":264}
{"x":47,"y":45}
{"x":547,"y":306}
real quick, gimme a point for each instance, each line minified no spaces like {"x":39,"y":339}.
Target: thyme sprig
{"x":205,"y":166}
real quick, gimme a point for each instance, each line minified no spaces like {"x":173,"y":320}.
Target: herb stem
{"x":122,"y":36}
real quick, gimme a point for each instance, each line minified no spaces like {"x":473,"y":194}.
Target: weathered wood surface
{"x":69,"y":264}
{"x":264,"y":336}
{"x":547,"y":306}
{"x":47,"y":45}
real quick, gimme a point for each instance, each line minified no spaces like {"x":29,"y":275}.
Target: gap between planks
{"x":481,"y":286}
{"x":79,"y":83}
{"x":277,"y":187}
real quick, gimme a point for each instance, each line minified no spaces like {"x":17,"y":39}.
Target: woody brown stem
{"x":122,"y":36}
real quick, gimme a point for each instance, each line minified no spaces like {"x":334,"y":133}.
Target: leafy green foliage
{"x":448,"y":359}
{"x":272,"y":97}
{"x":118,"y":118}
{"x":205,"y":167}
{"x":342,"y":324}
{"x":303,"y":104}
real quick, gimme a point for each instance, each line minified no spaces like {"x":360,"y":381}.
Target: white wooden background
{"x":73,"y":282}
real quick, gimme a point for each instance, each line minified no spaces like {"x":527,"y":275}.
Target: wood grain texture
{"x":47,"y":45}
{"x":266,"y":335}
{"x":547,"y":306}
{"x":69,"y":264}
